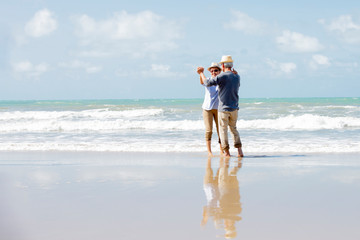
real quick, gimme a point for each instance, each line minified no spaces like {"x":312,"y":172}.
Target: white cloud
{"x":160,"y":67}
{"x":296,"y":42}
{"x":287,"y":67}
{"x":132,"y":34}
{"x":160,"y":71}
{"x":319,"y":60}
{"x":153,"y":71}
{"x":43,"y":23}
{"x":30,"y":69}
{"x":281,"y":68}
{"x":243,"y":22}
{"x":343,"y":23}
{"x":347,"y":65}
{"x":76,"y":64}
{"x":345,"y":27}
{"x":94,"y":53}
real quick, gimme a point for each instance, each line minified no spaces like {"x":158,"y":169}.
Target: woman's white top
{"x":211,"y":100}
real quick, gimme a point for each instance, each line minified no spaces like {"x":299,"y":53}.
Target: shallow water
{"x":63,"y":195}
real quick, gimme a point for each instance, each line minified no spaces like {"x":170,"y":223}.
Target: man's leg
{"x":235,"y":133}
{"x":223,"y":118}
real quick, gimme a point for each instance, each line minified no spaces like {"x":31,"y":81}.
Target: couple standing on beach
{"x":221,"y":104}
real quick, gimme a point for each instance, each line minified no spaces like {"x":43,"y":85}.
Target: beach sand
{"x":94,"y":195}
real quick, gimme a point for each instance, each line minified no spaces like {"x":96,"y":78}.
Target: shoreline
{"x":169,"y":158}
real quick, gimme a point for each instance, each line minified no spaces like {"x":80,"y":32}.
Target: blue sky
{"x":150,"y":49}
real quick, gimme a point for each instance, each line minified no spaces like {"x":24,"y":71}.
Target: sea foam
{"x":148,"y":119}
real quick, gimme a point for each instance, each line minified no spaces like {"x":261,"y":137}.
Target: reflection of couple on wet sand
{"x":221,"y":104}
{"x":223,"y":197}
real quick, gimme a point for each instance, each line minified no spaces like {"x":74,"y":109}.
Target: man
{"x":229,"y":84}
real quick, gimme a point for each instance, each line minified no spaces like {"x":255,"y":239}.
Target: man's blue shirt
{"x":229,"y":84}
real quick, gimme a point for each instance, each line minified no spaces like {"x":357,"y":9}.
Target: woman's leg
{"x":207,"y":115}
{"x":215,"y":116}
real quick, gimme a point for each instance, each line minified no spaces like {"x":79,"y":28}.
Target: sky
{"x":151,"y":49}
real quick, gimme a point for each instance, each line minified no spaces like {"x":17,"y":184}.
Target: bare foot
{"x":227,"y":153}
{"x":240,"y":152}
{"x":210,"y":154}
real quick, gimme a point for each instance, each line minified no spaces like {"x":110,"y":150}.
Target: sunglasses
{"x":216,"y":70}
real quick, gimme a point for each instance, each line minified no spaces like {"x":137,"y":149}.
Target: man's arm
{"x":203,"y":79}
{"x":211,"y":81}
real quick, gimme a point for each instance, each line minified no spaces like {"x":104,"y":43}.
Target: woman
{"x":210,"y":106}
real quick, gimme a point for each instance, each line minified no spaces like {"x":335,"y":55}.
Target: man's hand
{"x":200,"y":70}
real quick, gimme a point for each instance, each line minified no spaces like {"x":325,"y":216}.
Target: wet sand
{"x":66,"y":195}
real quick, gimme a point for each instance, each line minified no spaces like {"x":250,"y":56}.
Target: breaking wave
{"x":152,"y":119}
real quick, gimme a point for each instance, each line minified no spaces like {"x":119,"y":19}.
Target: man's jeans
{"x":228,"y":119}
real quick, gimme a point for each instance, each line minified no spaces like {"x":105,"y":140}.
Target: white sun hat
{"x":214,"y":65}
{"x":225,"y":59}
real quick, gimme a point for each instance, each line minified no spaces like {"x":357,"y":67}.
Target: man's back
{"x":229,"y":84}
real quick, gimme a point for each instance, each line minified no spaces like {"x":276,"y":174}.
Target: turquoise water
{"x":293,"y":125}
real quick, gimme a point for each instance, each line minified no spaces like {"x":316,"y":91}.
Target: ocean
{"x":266,"y":125}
